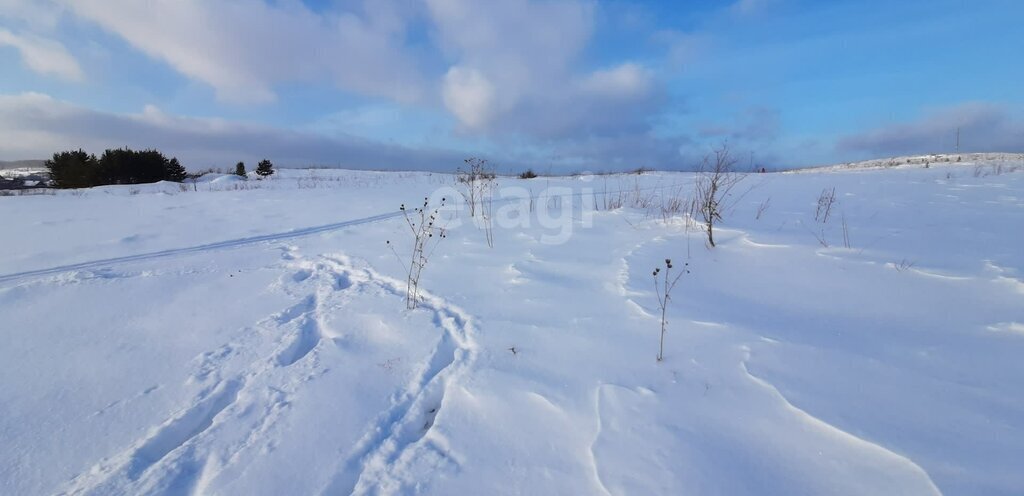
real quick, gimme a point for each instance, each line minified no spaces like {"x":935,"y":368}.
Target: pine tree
{"x":240,"y":169}
{"x":265,"y":168}
{"x":73,"y":169}
{"x":174,"y":171}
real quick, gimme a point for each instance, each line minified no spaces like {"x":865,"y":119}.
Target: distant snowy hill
{"x":21,"y":164}
{"x":1008,"y":159}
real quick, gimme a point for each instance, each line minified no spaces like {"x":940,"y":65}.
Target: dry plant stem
{"x":846,"y":233}
{"x":486,"y":207}
{"x":826,"y":199}
{"x":762,"y":208}
{"x":422,"y":222}
{"x":903,"y":265}
{"x":664,"y":293}
{"x":478,"y":179}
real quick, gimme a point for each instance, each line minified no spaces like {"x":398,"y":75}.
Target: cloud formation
{"x":36,"y":125}
{"x":244,"y":48}
{"x":501,"y":68}
{"x":984,"y":127}
{"x":42,"y":55}
{"x":516,"y":69}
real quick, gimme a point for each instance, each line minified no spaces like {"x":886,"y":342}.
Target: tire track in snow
{"x":231,"y":243}
{"x":404,"y":434}
{"x":297,"y":233}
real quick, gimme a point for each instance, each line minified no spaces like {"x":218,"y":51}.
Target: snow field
{"x":254,"y":340}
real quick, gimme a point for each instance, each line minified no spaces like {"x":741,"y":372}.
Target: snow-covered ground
{"x":984,"y":163}
{"x":251,"y":338}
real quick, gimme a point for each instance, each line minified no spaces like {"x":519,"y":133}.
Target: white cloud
{"x":244,"y":47}
{"x":522,"y":48}
{"x":36,"y":125}
{"x":38,"y":14}
{"x":628,"y":80}
{"x":515,"y":70}
{"x":519,"y":44}
{"x":508,"y":72}
{"x":469,"y":96}
{"x":42,"y":55}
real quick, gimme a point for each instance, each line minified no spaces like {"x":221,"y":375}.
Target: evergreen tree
{"x":265,"y":168}
{"x":150,"y":166}
{"x":240,"y":169}
{"x":77,"y":169}
{"x":73,"y":169}
{"x":174,"y":171}
{"x":115,"y":166}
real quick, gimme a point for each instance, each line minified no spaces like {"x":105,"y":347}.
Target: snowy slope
{"x":251,"y":338}
{"x":985,"y":163}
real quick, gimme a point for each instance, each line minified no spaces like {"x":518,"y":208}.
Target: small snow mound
{"x":222,"y":179}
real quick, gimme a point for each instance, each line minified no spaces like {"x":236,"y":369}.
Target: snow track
{"x":231,"y":243}
{"x":404,"y":435}
{"x":234,"y":415}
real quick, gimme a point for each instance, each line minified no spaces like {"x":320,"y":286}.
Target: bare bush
{"x":826,"y":200}
{"x":477,"y":180}
{"x":715,"y":180}
{"x":426,"y":235}
{"x":903,"y":265}
{"x":673,"y":204}
{"x":637,"y":197}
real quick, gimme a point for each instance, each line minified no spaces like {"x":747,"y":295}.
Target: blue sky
{"x":551,"y":84}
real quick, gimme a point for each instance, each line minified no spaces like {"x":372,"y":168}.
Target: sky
{"x":554,"y":85}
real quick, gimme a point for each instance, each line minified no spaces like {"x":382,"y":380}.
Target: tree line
{"x":78,"y":169}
